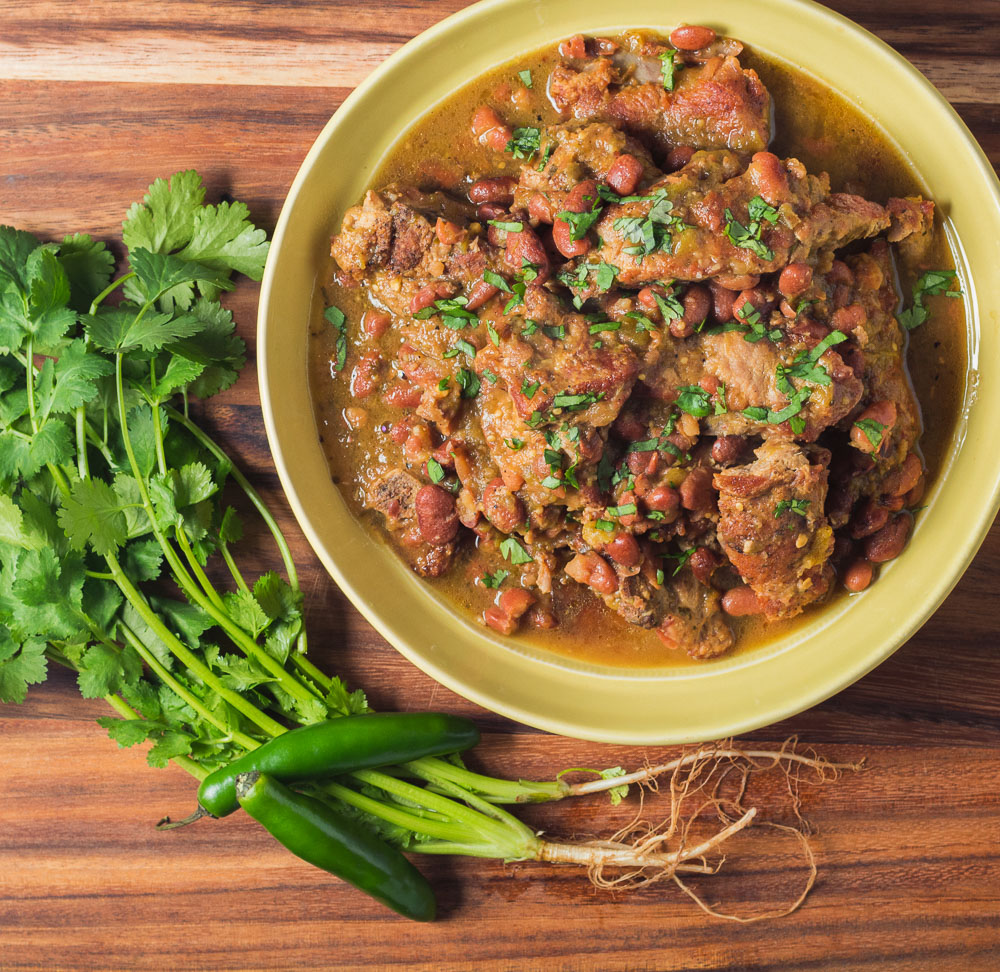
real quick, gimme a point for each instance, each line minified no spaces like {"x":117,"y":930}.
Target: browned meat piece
{"x":911,"y":216}
{"x":437,"y":404}
{"x":686,"y":612}
{"x":773,"y":529}
{"x":803,"y":221}
{"x":717,"y":104}
{"x":394,"y":495}
{"x":580,"y":152}
{"x":752,"y":374}
{"x":394,"y":247}
{"x":556,"y":375}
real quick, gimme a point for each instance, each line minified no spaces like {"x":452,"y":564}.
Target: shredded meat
{"x":773,"y":529}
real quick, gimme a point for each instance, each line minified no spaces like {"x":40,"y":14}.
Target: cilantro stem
{"x":233,"y":569}
{"x":110,"y":289}
{"x":502,"y":791}
{"x":184,"y":580}
{"x":168,"y":679}
{"x":206,"y":585}
{"x":209,"y":443}
{"x":30,"y":378}
{"x":188,"y":657}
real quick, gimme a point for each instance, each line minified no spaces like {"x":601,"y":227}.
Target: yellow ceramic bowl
{"x":837,"y":645}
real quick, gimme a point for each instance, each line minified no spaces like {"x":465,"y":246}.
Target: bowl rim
{"x":971,"y":540}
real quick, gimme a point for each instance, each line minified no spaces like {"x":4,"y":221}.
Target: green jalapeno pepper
{"x":340,"y":746}
{"x":319,"y":835}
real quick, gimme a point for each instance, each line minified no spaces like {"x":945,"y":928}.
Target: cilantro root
{"x":118,"y":545}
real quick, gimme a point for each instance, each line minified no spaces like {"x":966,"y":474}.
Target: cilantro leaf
{"x":92,"y":514}
{"x":89,"y":265}
{"x":342,"y":702}
{"x":164,"y":220}
{"x":74,"y":375}
{"x":214,"y":346}
{"x":21,"y":666}
{"x":122,"y":328}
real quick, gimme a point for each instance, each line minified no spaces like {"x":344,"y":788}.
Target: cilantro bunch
{"x":117,"y":541}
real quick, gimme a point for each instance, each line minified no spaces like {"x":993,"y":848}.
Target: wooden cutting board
{"x":99,"y":98}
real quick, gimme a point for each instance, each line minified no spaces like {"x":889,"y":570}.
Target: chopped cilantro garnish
{"x":460,"y":347}
{"x":513,"y":551}
{"x":872,"y":430}
{"x":494,"y":580}
{"x":694,"y":400}
{"x":606,"y":525}
{"x":576,"y":403}
{"x":497,"y":281}
{"x":506,"y":225}
{"x":335,"y":316}
{"x":605,"y":276}
{"x":528,"y":388}
{"x":748,"y":237}
{"x":580,"y":223}
{"x":555,"y":331}
{"x":525,"y":77}
{"x":682,"y":558}
{"x":669,"y":66}
{"x":670,"y":307}
{"x":469,"y":382}
{"x":435,"y":470}
{"x":797,"y":506}
{"x":605,"y":326}
{"x":530,"y":327}
{"x":930,"y":284}
{"x":490,"y":376}
{"x":513,"y":443}
{"x":525,"y":143}
{"x":522,"y":278}
{"x":443,"y":384}
{"x":546,"y":155}
{"x":452,"y":311}
{"x":626,"y":510}
{"x":653,"y":231}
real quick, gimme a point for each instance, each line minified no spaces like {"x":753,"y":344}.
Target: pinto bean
{"x":479,"y":293}
{"x":516,"y":601}
{"x":727,"y":449}
{"x":502,"y":508}
{"x":795,"y":279}
{"x":691,"y":37}
{"x":884,"y":413}
{"x":487,"y":211}
{"x":643,"y":463}
{"x":664,"y":498}
{"x":888,"y":543}
{"x":582,"y":196}
{"x":703,"y":564}
{"x":540,"y":208}
{"x":527,"y":246}
{"x":858,"y":576}
{"x":574,"y":46}
{"x":496,"y":189}
{"x":624,"y":550}
{"x":741,"y":601}
{"x":678,"y":157}
{"x":648,"y":302}
{"x":592,"y":570}
{"x":429,"y":293}
{"x":403,"y":395}
{"x":916,"y":494}
{"x":723,"y":300}
{"x":756,"y":298}
{"x":489,"y":128}
{"x":448,"y":232}
{"x":375,"y":324}
{"x":696,"y":490}
{"x":840,"y":273}
{"x":436,"y":515}
{"x":624,"y":174}
{"x":737,"y":282}
{"x":562,"y":236}
{"x":869,"y":519}
{"x":365,"y":377}
{"x":697,"y":304}
{"x":902,"y":480}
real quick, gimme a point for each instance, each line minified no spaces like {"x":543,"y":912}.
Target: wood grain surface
{"x":99,"y":98}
